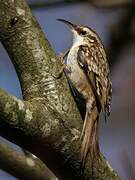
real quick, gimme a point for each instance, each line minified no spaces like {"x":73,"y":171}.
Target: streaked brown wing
{"x":91,"y":60}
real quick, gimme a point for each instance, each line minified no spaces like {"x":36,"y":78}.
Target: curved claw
{"x":62,"y":65}
{"x":58,"y":75}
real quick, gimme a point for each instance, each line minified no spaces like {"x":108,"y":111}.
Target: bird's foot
{"x":61,"y":65}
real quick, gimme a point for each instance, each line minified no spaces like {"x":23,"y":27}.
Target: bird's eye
{"x":83,"y":32}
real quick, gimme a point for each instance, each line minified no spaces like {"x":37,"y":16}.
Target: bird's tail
{"x":89,"y":136}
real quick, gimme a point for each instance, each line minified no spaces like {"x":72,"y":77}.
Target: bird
{"x":87,"y":68}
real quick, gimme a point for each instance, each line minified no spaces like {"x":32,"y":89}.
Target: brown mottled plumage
{"x":89,"y":73}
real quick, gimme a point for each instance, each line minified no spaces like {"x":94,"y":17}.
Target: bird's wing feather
{"x":93,"y":61}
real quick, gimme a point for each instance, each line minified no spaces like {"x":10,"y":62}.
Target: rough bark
{"x":47,"y":122}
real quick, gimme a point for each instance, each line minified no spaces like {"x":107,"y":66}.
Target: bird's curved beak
{"x":71,"y":25}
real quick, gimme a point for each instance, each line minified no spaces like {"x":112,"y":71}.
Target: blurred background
{"x":114,"y":21}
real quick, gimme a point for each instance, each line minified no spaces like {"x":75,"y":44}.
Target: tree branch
{"x":111,"y":3}
{"x":47,"y":123}
{"x":54,"y":4}
{"x":23,"y":167}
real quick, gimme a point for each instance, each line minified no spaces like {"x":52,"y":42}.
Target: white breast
{"x":76,"y":73}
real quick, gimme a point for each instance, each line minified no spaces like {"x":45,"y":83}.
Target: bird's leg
{"x":61,"y":64}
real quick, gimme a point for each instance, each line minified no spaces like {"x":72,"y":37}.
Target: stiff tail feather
{"x":89,"y":136}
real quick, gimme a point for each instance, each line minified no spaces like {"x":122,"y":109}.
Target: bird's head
{"x":80,"y":33}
